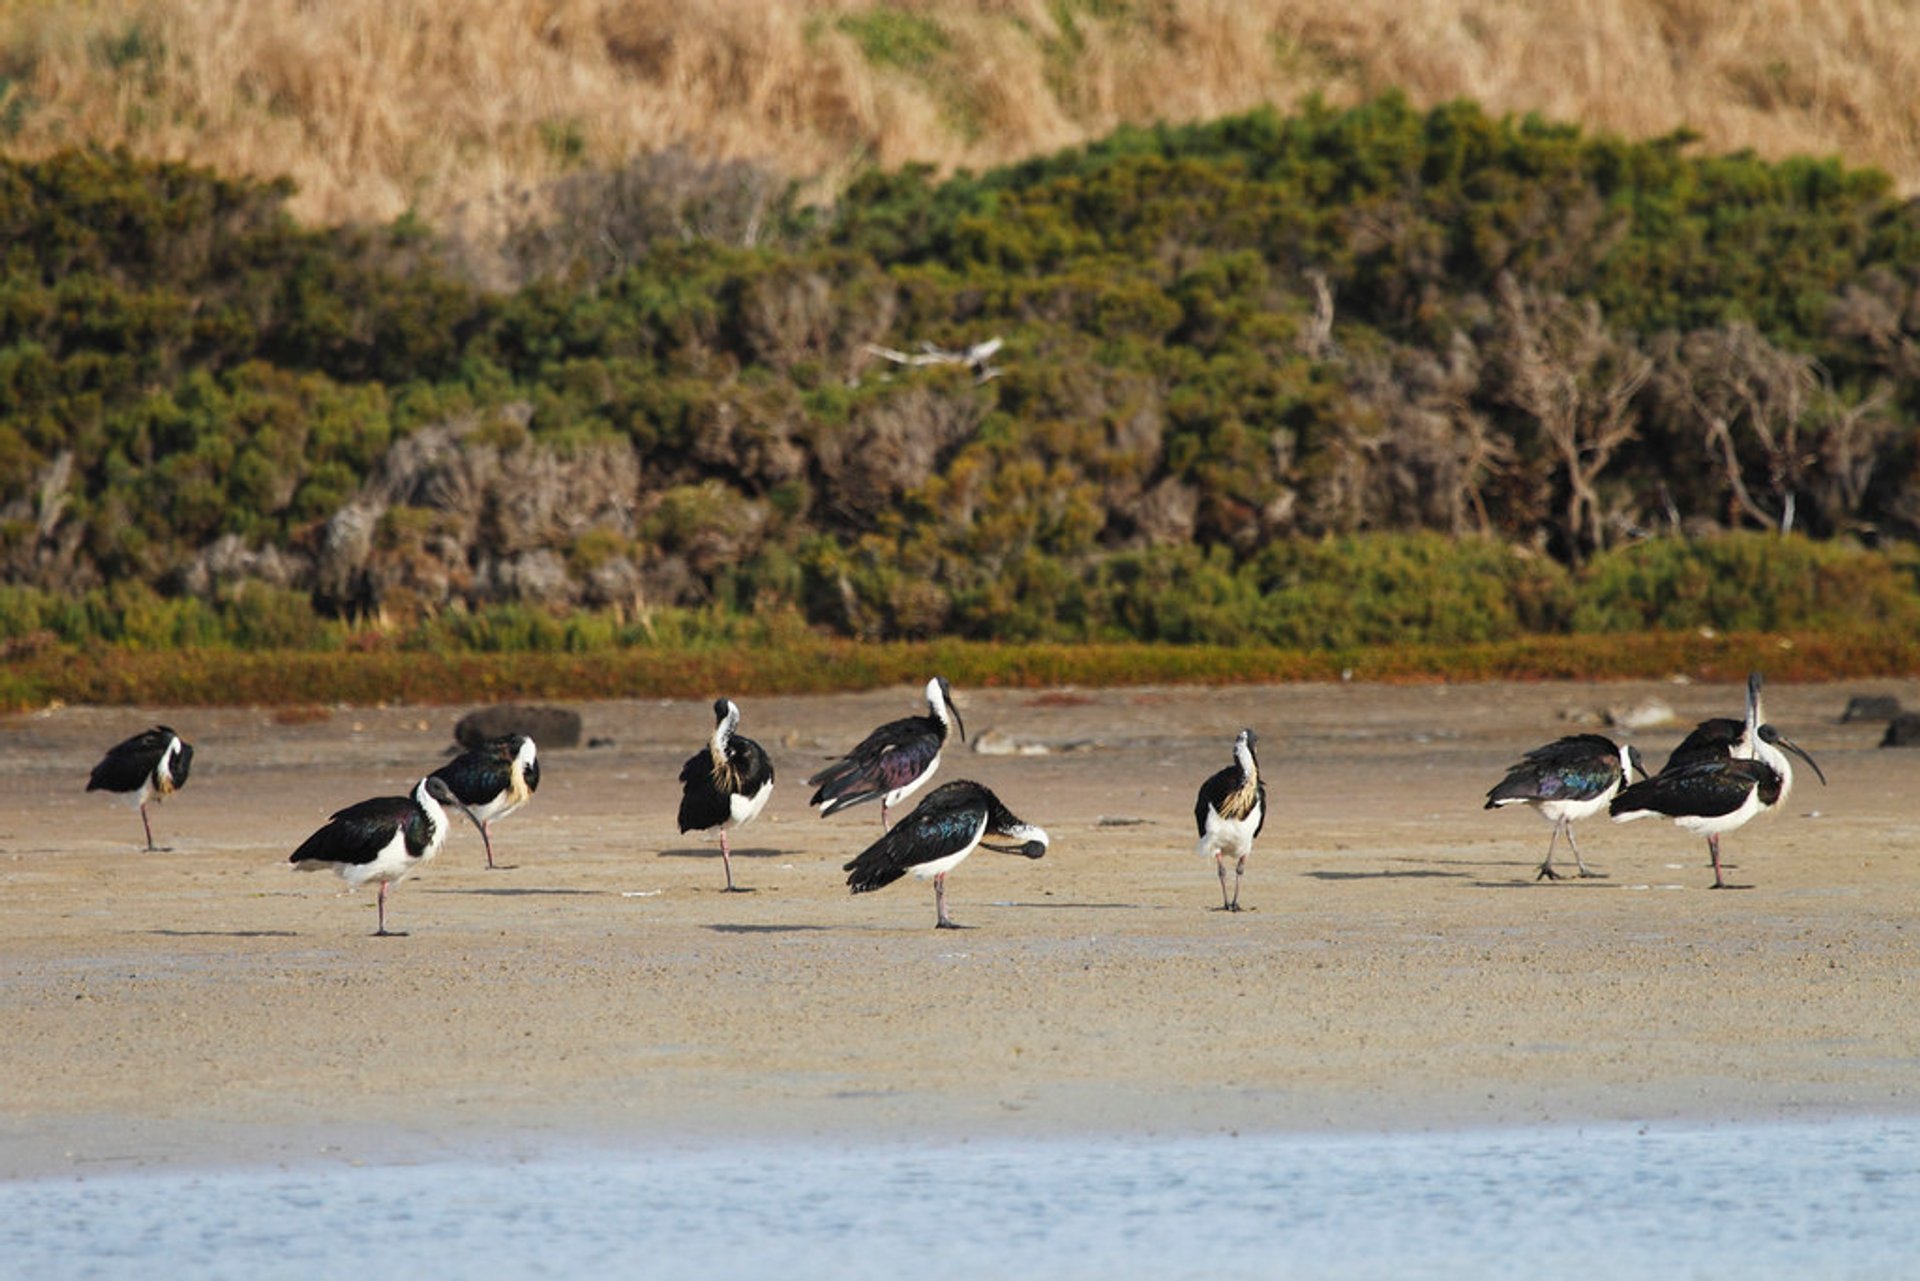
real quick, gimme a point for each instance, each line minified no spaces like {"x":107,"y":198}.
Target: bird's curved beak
{"x":957,"y":722}
{"x":1797,"y":750}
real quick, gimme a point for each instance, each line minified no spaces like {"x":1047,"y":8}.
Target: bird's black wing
{"x":752,"y":767}
{"x":1576,"y":768}
{"x":889,"y":758}
{"x":1699,"y":789}
{"x":476,"y":777}
{"x":1213,"y":792}
{"x":1711,"y":740}
{"x":703,"y":802}
{"x":127,"y":765}
{"x":359,"y":832}
{"x":932,"y":831}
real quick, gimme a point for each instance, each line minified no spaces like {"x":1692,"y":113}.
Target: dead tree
{"x":1573,"y":376}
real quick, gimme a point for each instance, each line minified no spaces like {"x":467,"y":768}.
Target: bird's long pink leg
{"x":726,"y":861}
{"x":146,"y":823}
{"x":942,"y":921}
{"x":486,"y":839}
{"x":1713,"y":848}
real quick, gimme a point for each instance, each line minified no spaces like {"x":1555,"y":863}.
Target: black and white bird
{"x":1752,"y":738}
{"x":1720,"y":783}
{"x":727,"y":785}
{"x":1569,"y":779}
{"x":493,"y":780}
{"x":150,"y":766}
{"x":954,"y":820}
{"x":1229,"y":813}
{"x":386,"y":839}
{"x":894,"y":761}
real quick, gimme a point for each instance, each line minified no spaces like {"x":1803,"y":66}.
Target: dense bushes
{"x":1337,"y":593}
{"x":1311,"y":380}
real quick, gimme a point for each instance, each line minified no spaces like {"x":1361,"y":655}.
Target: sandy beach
{"x":1400,"y":967}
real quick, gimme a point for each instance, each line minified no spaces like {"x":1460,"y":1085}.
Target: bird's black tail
{"x":875,"y":869}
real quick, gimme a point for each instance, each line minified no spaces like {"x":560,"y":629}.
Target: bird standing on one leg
{"x":1229,"y":812}
{"x":894,"y":761}
{"x":493,"y":780}
{"x":1569,"y":779}
{"x":150,"y":766}
{"x":954,"y":820}
{"x":1709,"y":797}
{"x":727,"y":785}
{"x":1718,"y":779}
{"x":386,"y":839}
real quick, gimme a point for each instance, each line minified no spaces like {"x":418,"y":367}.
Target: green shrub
{"x":1745,"y":582}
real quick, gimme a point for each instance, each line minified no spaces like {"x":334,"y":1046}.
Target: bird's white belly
{"x":499,"y":807}
{"x":1713,"y":825}
{"x":392,"y":864}
{"x":940,"y":866}
{"x":1573,"y":811}
{"x":1229,"y":837}
{"x":744,"y":809}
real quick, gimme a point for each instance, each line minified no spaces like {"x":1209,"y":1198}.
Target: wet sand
{"x":1399,"y":966}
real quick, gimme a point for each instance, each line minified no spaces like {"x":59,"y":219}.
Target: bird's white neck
{"x":424,"y":799}
{"x":1776,"y":760}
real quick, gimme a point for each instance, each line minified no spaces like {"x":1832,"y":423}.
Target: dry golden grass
{"x":378,"y":106}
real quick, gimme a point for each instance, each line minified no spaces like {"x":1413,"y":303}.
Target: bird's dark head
{"x":1773,"y":737}
{"x":436,"y":787}
{"x":1635,"y":765}
{"x":722,"y":709}
{"x":1026,"y":840}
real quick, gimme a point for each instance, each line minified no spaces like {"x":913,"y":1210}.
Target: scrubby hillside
{"x":1301,"y":358}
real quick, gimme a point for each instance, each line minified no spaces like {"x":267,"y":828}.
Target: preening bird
{"x":893,"y":762}
{"x":493,"y":780}
{"x":1716,"y":782}
{"x":150,"y":766}
{"x":1569,"y":779}
{"x":386,"y":839}
{"x":1229,"y":812}
{"x":954,"y":820}
{"x":727,"y":785}
{"x":1753,"y":738}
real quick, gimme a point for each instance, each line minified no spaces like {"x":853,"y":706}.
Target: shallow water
{"x":1838,"y":1199}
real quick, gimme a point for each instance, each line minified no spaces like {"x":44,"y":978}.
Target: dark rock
{"x":546,"y":726}
{"x":1871,"y":707}
{"x":1903,"y":731}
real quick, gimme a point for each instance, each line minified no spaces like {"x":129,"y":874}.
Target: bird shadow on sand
{"x":713,"y":851}
{"x":770,"y":929}
{"x":224,"y":934}
{"x":1091,"y":907}
{"x":503,"y":891}
{"x":1564,"y":883}
{"x":1388,"y":874}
